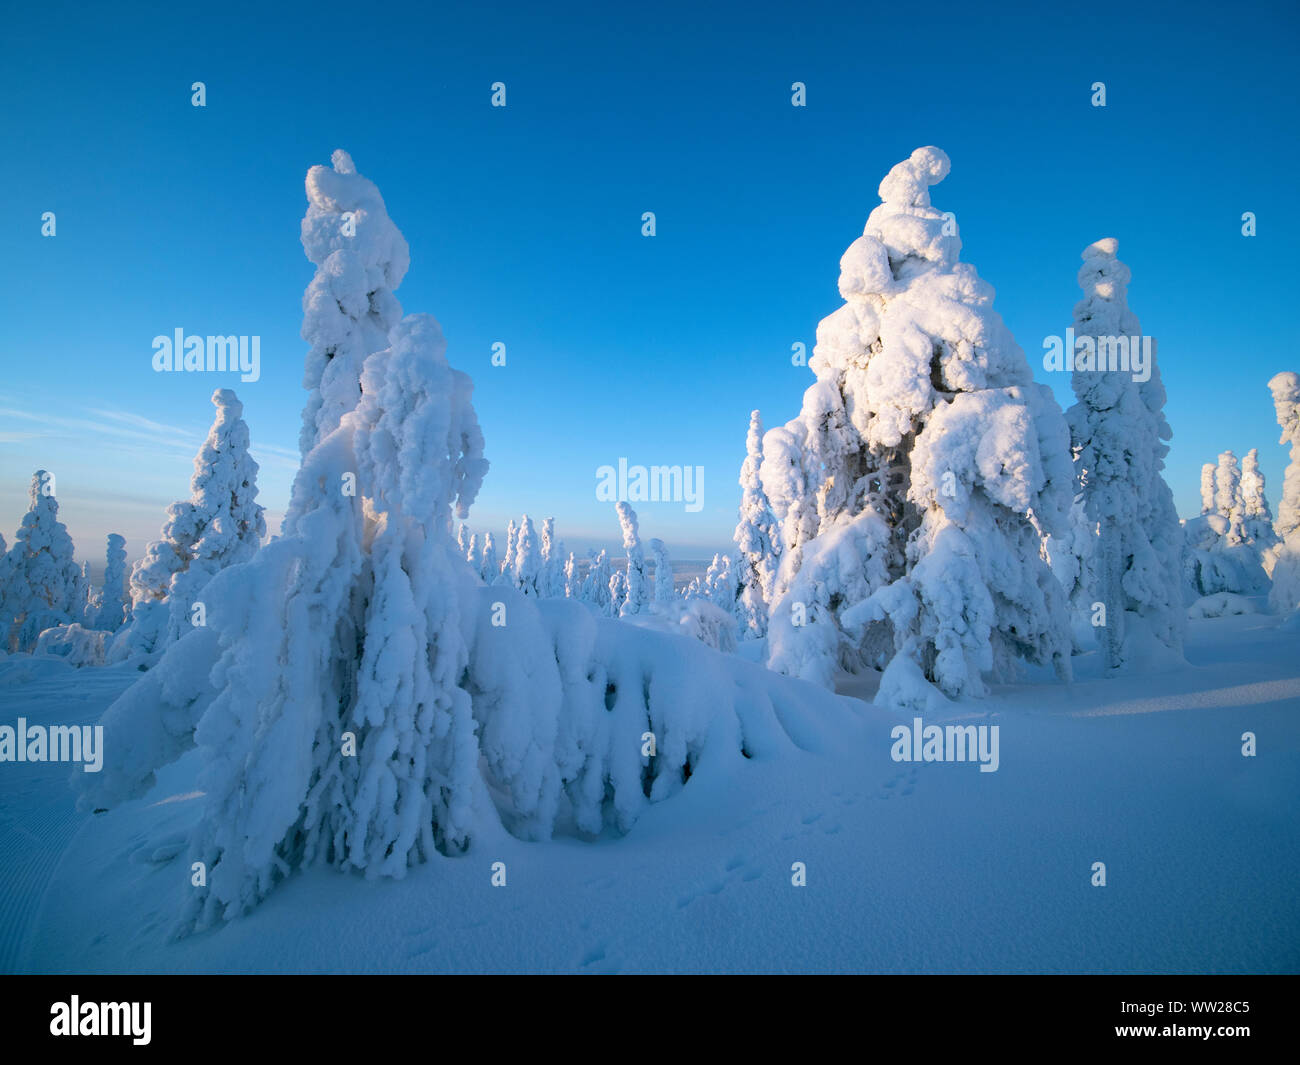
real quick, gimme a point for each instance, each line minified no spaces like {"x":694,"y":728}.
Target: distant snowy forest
{"x":371,"y":687}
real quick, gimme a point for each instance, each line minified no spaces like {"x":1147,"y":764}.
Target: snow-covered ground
{"x":931,"y":867}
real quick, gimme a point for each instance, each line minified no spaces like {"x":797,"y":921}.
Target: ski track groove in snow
{"x":38,"y":815}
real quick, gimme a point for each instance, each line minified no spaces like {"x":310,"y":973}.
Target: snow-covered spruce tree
{"x":558,"y":568}
{"x":528,"y":568}
{"x":617,"y":593}
{"x":94,"y":596}
{"x":44,"y":586}
{"x":220,"y":524}
{"x":1220,"y":553}
{"x":911,"y":489}
{"x":663,"y":572}
{"x":114,"y":603}
{"x":228,"y":523}
{"x":349,"y":307}
{"x":489,"y":567}
{"x":1286,"y":401}
{"x":637,"y":600}
{"x":1227,"y":497}
{"x":408,"y":790}
{"x":1208,"y":488}
{"x":596,"y":585}
{"x":720,"y":583}
{"x":344,"y":633}
{"x":550,"y":583}
{"x":87,"y":597}
{"x":1257,"y":516}
{"x":1118,"y":430}
{"x":507,"y":574}
{"x":1284,"y":598}
{"x":572,"y":579}
{"x":462,"y":539}
{"x":349,"y":237}
{"x":757,"y":539}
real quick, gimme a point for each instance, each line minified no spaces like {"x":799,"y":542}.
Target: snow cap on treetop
{"x":904,"y":235}
{"x":226,"y":400}
{"x":908,"y":183}
{"x":376,"y":240}
{"x":1286,"y":398}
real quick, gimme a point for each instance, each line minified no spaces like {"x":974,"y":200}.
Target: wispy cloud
{"x":273,"y":455}
{"x":143,"y":423}
{"x":160,"y":437}
{"x":279,"y":452}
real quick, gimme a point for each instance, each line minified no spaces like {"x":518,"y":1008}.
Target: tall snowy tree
{"x":338,"y":730}
{"x":408,"y":789}
{"x":756,"y":537}
{"x":617,"y":593}
{"x":551,"y":583}
{"x":349,"y":307}
{"x":1284,"y":597}
{"x":911,"y":490}
{"x":528,"y":567}
{"x":720,"y":583}
{"x":220,"y":524}
{"x":489,"y":568}
{"x":663,"y":572}
{"x":87,"y":596}
{"x":228,"y":525}
{"x":1286,"y":401}
{"x":1208,"y":488}
{"x":114,"y":603}
{"x":1227,"y":497}
{"x":44,"y":587}
{"x":507,"y":575}
{"x":1257,"y":516}
{"x":1119,"y":431}
{"x":637,"y":600}
{"x":572,"y":579}
{"x":595,"y":587}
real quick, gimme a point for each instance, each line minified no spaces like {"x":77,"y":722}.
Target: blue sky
{"x":525,"y":222}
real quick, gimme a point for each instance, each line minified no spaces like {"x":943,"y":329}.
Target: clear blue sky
{"x":524,"y":222}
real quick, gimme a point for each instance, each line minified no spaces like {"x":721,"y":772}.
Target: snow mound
{"x":78,"y":646}
{"x":1224,"y":604}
